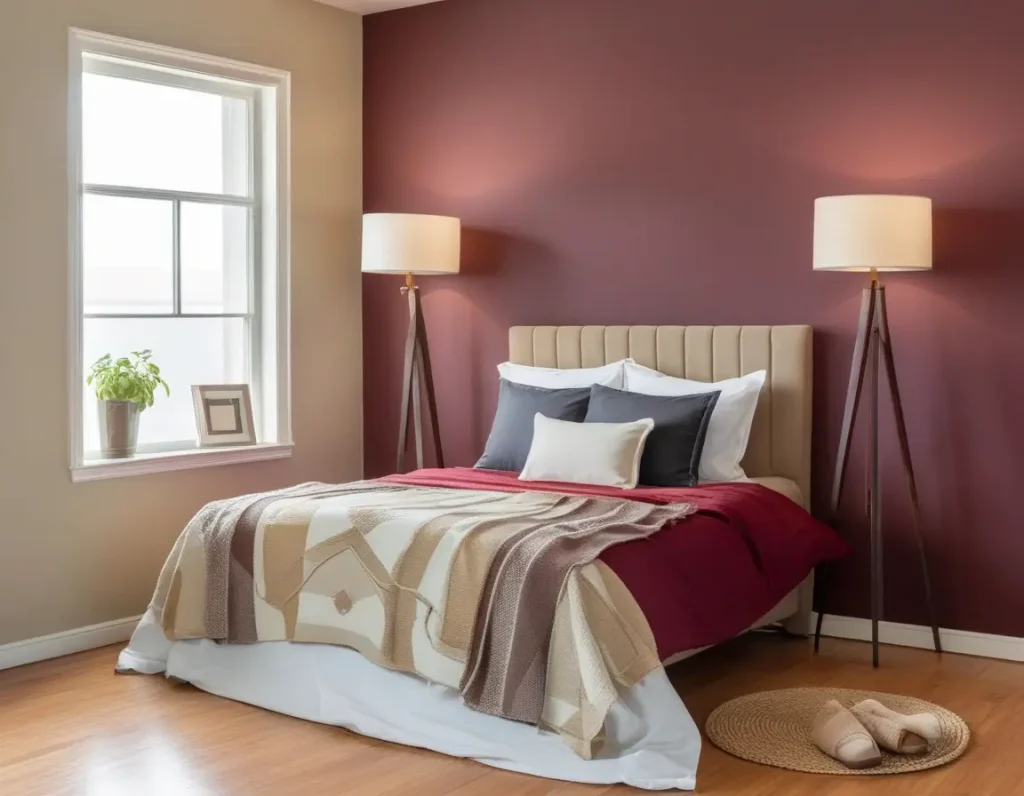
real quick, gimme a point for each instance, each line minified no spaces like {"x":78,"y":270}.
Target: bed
{"x":721,"y":571}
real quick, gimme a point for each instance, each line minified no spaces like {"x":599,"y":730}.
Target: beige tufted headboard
{"x":780,"y":440}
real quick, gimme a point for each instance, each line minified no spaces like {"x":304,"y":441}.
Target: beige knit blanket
{"x":498,"y":595}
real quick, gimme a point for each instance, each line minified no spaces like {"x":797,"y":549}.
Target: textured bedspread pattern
{"x":497,"y":594}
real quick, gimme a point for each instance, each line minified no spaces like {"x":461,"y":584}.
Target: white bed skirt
{"x":652,"y":743}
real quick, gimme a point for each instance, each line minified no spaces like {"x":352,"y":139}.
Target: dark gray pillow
{"x":672,"y":452}
{"x":512,"y":431}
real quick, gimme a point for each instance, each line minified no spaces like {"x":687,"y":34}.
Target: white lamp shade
{"x":884,"y":232}
{"x":400,"y":243}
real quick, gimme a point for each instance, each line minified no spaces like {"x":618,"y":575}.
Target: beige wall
{"x":77,"y":554}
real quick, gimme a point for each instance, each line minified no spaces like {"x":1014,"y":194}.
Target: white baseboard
{"x":70,"y":641}
{"x":964,"y":642}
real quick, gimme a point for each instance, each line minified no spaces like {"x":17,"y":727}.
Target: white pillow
{"x":729,"y":428}
{"x":607,"y":454}
{"x":564,"y":378}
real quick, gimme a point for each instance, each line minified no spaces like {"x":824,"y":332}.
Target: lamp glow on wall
{"x":874,"y":234}
{"x":413,"y":245}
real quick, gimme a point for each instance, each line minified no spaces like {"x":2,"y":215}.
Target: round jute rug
{"x":774,"y":728}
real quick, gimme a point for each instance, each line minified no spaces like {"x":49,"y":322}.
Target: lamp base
{"x":874,"y":342}
{"x":417,"y":383}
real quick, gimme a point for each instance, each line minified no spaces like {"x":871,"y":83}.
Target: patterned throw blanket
{"x":497,"y":594}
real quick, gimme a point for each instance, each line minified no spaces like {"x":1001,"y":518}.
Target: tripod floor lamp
{"x":873,"y":234}
{"x":413,"y":245}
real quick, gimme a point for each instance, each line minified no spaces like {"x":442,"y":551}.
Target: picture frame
{"x":223,"y":414}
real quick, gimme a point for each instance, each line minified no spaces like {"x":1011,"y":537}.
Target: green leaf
{"x":122,"y":379}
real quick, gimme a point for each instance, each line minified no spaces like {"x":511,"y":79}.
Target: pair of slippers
{"x":853,"y":736}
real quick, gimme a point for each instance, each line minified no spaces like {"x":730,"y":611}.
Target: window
{"x":179,"y":241}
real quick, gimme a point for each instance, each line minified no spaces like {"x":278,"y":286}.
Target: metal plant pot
{"x":119,"y":428}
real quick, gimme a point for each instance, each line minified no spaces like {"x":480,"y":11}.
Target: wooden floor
{"x":69,"y":726}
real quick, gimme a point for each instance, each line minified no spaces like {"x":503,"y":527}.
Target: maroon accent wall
{"x":656,"y":161}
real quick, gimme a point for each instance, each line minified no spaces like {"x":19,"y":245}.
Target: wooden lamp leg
{"x":407,"y":377}
{"x":858,"y":366}
{"x":427,"y":378}
{"x":908,"y":467}
{"x":874,"y":492}
{"x":417,"y":411}
{"x":417,"y":381}
{"x":853,"y":393}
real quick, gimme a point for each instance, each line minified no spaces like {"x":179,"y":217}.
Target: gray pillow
{"x":512,"y":431}
{"x":672,"y":453}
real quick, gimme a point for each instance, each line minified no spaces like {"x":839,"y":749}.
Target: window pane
{"x":146,"y":135}
{"x":128,"y":255}
{"x":214,"y":259}
{"x":188,"y":350}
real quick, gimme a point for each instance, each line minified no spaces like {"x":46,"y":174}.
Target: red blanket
{"x":705,"y":579}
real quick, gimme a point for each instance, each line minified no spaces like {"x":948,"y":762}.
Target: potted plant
{"x":125,"y":387}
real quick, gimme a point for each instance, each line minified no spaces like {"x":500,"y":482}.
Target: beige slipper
{"x":888,"y":734}
{"x":924,"y":726}
{"x":838,"y":734}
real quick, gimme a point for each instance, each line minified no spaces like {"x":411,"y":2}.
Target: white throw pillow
{"x":607,"y":454}
{"x":729,"y":428}
{"x":564,"y":378}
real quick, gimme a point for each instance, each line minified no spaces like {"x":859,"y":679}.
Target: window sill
{"x":145,"y":463}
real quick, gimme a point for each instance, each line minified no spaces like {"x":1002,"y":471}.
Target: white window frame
{"x":270,"y":188}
